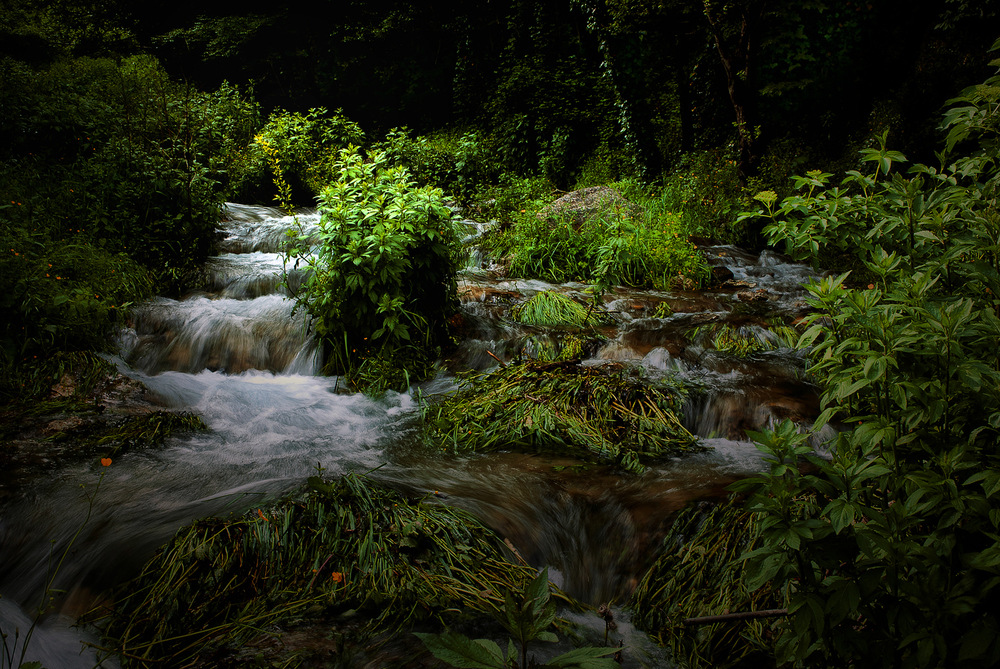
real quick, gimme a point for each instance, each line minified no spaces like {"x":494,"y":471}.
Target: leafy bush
{"x":889,"y":548}
{"x":61,"y":294}
{"x":381,"y":285}
{"x":114,"y":149}
{"x":298,"y":152}
{"x":455,"y":162}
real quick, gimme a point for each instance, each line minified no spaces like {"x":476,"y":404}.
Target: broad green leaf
{"x":459,"y":650}
{"x":584,"y":658}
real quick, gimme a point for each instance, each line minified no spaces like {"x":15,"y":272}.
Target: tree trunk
{"x":736,"y":55}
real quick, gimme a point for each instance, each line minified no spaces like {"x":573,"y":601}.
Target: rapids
{"x":239,"y":357}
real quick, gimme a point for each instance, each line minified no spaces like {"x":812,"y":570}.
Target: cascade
{"x":242,"y":358}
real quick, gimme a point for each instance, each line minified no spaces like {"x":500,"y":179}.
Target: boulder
{"x":587,"y":204}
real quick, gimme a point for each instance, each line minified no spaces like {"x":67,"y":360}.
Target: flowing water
{"x":239,"y":357}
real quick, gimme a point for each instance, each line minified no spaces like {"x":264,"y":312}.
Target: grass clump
{"x":549,"y":308}
{"x":743,"y":341}
{"x":602,"y":414}
{"x":147,"y":430}
{"x":338,"y":547}
{"x":644,"y":248}
{"x":700,"y":572}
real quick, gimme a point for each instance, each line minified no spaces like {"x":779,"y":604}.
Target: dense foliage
{"x":112,"y":176}
{"x":643,"y":247}
{"x":381,"y":282}
{"x":889,"y":547}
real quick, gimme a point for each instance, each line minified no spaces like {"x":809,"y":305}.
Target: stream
{"x":241,"y":359}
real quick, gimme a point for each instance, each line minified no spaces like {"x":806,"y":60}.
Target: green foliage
{"x":699,"y":572}
{"x":650,"y":252}
{"x":706,"y":189}
{"x":549,"y":308}
{"x":381,"y":283}
{"x":599,"y":414}
{"x":299,"y":152}
{"x":455,"y":162}
{"x":60,"y":294}
{"x":889,"y":547}
{"x":526,"y":618}
{"x":115,"y":150}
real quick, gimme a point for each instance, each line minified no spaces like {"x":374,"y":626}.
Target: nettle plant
{"x":889,"y":551}
{"x":381,"y":279}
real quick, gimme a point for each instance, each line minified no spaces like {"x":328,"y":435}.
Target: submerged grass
{"x":744,"y":341}
{"x":146,"y":430}
{"x":338,"y":548}
{"x":604,"y":414}
{"x":550,"y":308}
{"x":699,"y":573}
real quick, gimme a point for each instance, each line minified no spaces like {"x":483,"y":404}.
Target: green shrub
{"x":706,"y":190}
{"x":61,"y":294}
{"x":455,"y":162}
{"x":381,"y":285}
{"x":889,"y":547}
{"x":298,"y":152}
{"x":115,"y":149}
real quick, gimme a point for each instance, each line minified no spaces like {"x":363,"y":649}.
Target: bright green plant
{"x":300,"y":152}
{"x":526,"y":618}
{"x":550,"y":308}
{"x":889,"y":548}
{"x":648,"y":253}
{"x":381,"y":282}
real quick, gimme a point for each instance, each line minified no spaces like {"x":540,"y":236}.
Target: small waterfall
{"x":242,"y":358}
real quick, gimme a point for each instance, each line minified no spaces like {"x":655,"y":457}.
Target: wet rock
{"x":721,"y":274}
{"x":62,"y":425}
{"x":759,"y":295}
{"x":587,"y":204}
